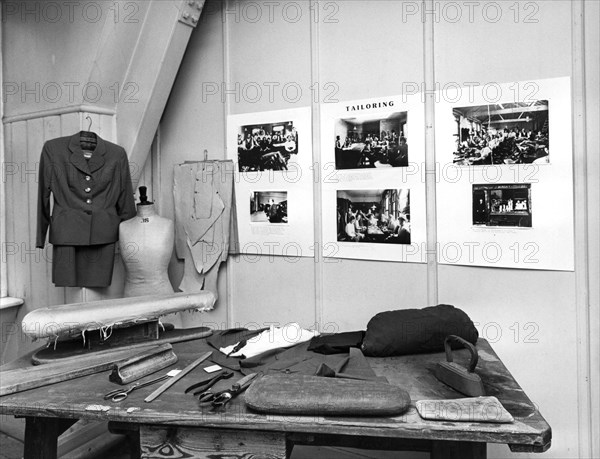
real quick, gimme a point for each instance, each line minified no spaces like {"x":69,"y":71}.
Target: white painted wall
{"x":370,"y":50}
{"x":62,"y":54}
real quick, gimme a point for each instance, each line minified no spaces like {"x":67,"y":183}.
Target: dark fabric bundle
{"x":416,"y":331}
{"x":338,"y":343}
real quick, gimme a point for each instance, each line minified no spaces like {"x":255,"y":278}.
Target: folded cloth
{"x":337,"y":343}
{"x":472,"y":409}
{"x":298,"y":360}
{"x":273,"y":338}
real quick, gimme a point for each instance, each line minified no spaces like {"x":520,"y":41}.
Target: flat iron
{"x":461,"y":379}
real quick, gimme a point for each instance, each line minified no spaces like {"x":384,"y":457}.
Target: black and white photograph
{"x":507,"y":133}
{"x":299,"y":229}
{"x":376,"y":216}
{"x":368,"y":142}
{"x":502,"y":205}
{"x":269,"y":207}
{"x":267,"y":146}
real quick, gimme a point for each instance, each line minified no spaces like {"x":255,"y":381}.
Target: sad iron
{"x":461,"y":379}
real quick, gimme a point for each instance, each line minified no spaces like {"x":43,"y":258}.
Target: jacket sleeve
{"x":126,"y":203}
{"x":43,"y":204}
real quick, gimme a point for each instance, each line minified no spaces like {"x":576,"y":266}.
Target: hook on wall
{"x":89,"y":118}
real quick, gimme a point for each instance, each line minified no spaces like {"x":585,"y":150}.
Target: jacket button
{"x":89,"y":201}
{"x":88,"y":178}
{"x":87,"y":190}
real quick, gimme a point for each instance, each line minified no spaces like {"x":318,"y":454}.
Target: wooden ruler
{"x":181,"y":374}
{"x":20,"y":379}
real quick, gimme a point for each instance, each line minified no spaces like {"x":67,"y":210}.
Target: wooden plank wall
{"x":30,"y":269}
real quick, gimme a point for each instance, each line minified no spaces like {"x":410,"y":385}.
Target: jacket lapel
{"x":77,"y":158}
{"x":97,"y":159}
{"x":79,"y":161}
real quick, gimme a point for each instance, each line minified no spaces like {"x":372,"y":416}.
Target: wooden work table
{"x":173,"y":425}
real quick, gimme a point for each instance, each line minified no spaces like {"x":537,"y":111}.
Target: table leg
{"x":41,"y":436}
{"x":158,"y":442}
{"x":458,"y":450}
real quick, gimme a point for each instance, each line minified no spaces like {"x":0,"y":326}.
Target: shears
{"x":121,"y":394}
{"x":208,"y":383}
{"x":219,"y":399}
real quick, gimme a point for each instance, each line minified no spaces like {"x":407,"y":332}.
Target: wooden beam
{"x":535,"y":108}
{"x":159,"y":442}
{"x":458,"y":450}
{"x":505,"y":121}
{"x":41,"y":436}
{"x":430,"y":157}
{"x":168,"y":26}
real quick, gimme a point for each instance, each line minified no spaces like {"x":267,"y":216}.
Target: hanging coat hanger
{"x":88,"y":139}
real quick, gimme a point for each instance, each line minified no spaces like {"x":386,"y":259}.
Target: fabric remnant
{"x":472,"y":409}
{"x":273,"y":338}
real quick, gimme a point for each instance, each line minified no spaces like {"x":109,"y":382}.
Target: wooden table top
{"x":414,"y":373}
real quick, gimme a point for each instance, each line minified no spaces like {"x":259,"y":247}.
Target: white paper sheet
{"x":532,"y":227}
{"x":364,"y":160}
{"x":274,"y":173}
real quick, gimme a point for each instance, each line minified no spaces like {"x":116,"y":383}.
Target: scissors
{"x":208,"y":383}
{"x":218,"y":399}
{"x":121,"y":394}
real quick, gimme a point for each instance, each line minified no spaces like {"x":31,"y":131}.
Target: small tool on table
{"x":203,"y":386}
{"x":461,"y":379}
{"x":219,"y":399}
{"x":121,"y":394}
{"x":172,"y":381}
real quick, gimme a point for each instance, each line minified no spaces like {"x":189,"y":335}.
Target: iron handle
{"x":472,"y":350}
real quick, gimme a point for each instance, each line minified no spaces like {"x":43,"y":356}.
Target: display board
{"x":272,"y":154}
{"x":505,"y":181}
{"x":503,"y":173}
{"x":373,"y":186}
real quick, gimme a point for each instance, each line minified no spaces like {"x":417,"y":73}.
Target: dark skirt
{"x":83,"y":266}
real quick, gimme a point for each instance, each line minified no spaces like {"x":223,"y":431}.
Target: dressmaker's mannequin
{"x":146,"y":244}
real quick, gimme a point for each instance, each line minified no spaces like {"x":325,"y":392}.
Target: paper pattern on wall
{"x":202,"y":192}
{"x":505,"y":188}
{"x":272,"y":152}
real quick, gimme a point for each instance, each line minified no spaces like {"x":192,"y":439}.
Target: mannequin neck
{"x":146,"y":210}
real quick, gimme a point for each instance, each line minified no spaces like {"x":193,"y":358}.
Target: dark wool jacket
{"x":91,"y":197}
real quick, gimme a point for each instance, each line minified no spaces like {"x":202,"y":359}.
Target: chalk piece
{"x":97,"y":408}
{"x":173,"y":373}
{"x":212,"y":368}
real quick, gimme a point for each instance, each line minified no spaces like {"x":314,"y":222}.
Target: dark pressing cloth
{"x":336,"y":343}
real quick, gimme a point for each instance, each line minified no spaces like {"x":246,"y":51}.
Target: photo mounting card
{"x":505,"y":185}
{"x":272,"y":154}
{"x":373,"y":191}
